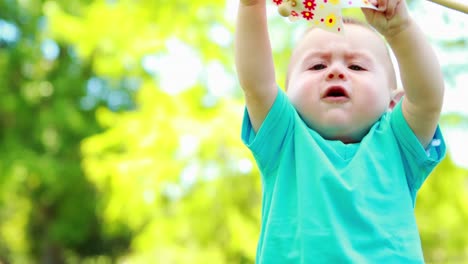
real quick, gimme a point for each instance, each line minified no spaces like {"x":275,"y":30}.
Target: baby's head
{"x":341,"y":84}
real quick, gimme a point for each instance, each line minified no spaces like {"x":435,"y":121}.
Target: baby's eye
{"x":355,"y":67}
{"x":318,"y":67}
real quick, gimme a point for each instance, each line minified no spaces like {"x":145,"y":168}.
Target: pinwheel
{"x":326,"y":14}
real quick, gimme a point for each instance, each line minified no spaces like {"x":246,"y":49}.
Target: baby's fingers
{"x":391,"y":8}
{"x":380,"y":4}
{"x":368,"y":13}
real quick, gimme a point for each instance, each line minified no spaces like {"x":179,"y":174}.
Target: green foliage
{"x":102,"y":160}
{"x":442,"y":211}
{"x":47,"y":205}
{"x":176,"y":179}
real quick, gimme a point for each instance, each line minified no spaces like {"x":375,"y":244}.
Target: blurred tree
{"x":123,"y":164}
{"x":47,"y":206}
{"x":173,"y":170}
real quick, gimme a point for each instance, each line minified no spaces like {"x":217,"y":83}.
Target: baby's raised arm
{"x":420,"y":71}
{"x":254,"y":60}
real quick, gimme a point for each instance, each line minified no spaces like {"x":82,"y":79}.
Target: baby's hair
{"x":349,"y":21}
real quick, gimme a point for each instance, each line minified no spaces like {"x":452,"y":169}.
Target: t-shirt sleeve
{"x":419,"y":162}
{"x":266,"y":144}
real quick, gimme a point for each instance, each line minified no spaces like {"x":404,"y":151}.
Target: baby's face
{"x":340,"y":84}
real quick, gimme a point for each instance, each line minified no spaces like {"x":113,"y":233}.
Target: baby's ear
{"x":396,"y":96}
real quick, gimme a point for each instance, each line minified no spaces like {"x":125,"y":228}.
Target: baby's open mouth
{"x":335,"y":95}
{"x":335,"y":92}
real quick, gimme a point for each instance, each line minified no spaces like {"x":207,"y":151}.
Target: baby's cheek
{"x":378,"y":98}
{"x":372,"y":104}
{"x":306,"y":108}
{"x":298,"y":97}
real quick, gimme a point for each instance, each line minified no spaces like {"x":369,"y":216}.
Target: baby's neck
{"x":348,"y":139}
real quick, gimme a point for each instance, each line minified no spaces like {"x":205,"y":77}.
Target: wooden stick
{"x":453,"y":4}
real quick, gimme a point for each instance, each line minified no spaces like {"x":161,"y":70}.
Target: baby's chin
{"x":341,"y":125}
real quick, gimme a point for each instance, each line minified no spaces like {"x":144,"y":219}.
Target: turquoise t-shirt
{"x":329,"y":202}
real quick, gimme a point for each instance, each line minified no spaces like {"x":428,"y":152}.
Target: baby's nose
{"x":332,"y":75}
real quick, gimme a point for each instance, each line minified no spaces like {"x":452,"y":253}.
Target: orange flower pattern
{"x":330,"y":21}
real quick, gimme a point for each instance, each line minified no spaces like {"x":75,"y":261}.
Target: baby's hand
{"x":390,"y":18}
